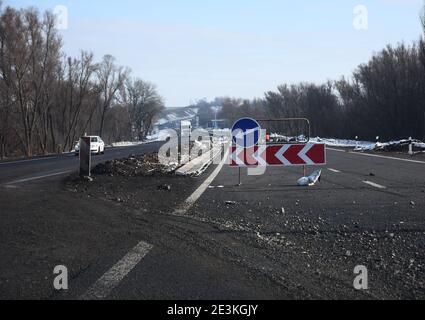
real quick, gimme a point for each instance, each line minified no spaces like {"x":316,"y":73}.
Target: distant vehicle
{"x":97,"y":146}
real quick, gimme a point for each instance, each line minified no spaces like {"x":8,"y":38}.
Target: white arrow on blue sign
{"x":246,"y":133}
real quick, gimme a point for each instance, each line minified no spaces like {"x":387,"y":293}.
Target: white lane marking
{"x":111,"y":279}
{"x":338,"y":150}
{"x":38,"y":178}
{"x":204,"y":186}
{"x":377,"y":156}
{"x":374,"y":184}
{"x":104,"y":286}
{"x":334,"y":170}
{"x":29,"y":160}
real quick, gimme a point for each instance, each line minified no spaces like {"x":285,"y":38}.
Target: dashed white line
{"x":337,"y":150}
{"x":374,"y":184}
{"x":334,"y":170}
{"x":204,"y":186}
{"x":110,"y":280}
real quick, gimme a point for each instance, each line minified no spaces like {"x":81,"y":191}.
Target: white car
{"x":97,"y":146}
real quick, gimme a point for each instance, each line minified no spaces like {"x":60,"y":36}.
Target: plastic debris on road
{"x":310,"y":180}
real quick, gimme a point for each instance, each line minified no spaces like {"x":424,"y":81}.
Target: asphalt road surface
{"x":122,"y":238}
{"x":20,"y":171}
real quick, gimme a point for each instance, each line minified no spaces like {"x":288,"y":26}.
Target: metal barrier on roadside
{"x":286,"y":130}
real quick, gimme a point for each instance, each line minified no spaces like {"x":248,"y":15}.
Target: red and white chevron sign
{"x":309,"y":154}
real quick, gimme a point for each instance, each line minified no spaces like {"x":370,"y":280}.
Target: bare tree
{"x":5,"y":83}
{"x":422,"y":40}
{"x":78,"y":87}
{"x":30,"y":49}
{"x":422,"y":58}
{"x":50,"y":57}
{"x":47,"y":99}
{"x":111,"y":79}
{"x":143,"y":103}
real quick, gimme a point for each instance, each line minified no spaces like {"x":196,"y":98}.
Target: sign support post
{"x":246,"y":134}
{"x":240,"y":177}
{"x":85,"y":156}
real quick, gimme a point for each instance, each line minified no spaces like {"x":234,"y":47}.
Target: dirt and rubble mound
{"x":135,"y":166}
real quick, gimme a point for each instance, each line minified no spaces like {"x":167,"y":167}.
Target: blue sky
{"x":193,"y":49}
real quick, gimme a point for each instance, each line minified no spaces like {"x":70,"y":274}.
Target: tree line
{"x":384,"y":97}
{"x":48,"y":99}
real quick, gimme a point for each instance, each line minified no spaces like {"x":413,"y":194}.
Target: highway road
{"x":19,"y":171}
{"x":210,"y":239}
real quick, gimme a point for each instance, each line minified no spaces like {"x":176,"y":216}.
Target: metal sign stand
{"x":246,"y":126}
{"x":240,"y":177}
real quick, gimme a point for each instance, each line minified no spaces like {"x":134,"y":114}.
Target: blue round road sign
{"x":246,"y":133}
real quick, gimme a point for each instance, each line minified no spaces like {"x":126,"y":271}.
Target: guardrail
{"x":283,"y":125}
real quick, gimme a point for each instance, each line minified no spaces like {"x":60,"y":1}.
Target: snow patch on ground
{"x":343,"y":143}
{"x":160,"y":136}
{"x":126,"y":144}
{"x":369,"y":146}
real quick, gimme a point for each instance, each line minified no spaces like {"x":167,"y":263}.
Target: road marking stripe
{"x":338,"y":150}
{"x":334,"y":170}
{"x":377,"y":156}
{"x":374,"y":185}
{"x":29,"y":160}
{"x":38,"y":178}
{"x":390,"y":158}
{"x":111,"y":279}
{"x":204,"y":186}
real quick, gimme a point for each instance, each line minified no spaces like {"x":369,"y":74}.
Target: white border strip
{"x":204,"y":186}
{"x":38,"y":178}
{"x":26,"y":161}
{"x":373,"y":184}
{"x":111,"y":279}
{"x":377,"y":156}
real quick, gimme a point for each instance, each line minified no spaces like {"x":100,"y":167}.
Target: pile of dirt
{"x":134,"y":166}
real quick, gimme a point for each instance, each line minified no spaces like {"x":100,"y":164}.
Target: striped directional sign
{"x":309,"y":154}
